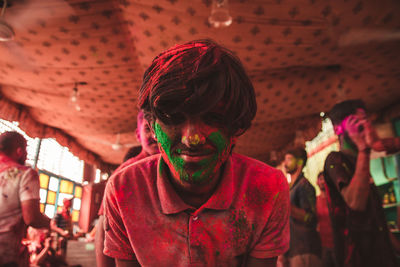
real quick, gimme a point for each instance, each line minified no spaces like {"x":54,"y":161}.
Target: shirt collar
{"x":171,"y":203}
{"x":6,"y":159}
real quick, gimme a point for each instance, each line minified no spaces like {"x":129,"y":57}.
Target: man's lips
{"x":194,"y":156}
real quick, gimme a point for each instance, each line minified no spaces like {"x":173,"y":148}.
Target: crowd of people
{"x":188,"y":200}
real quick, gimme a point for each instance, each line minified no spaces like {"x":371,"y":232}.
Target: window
{"x":59,"y":160}
{"x":54,"y":189}
{"x":60,"y":172}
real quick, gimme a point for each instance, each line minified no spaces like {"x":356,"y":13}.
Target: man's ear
{"x":137,"y":134}
{"x":300,"y":162}
{"x":19,"y":151}
{"x":234,"y":139}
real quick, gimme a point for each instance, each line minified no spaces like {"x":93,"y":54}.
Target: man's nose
{"x":192,"y":134}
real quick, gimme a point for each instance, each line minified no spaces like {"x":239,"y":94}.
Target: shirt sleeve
{"x":337,"y":171}
{"x":116,"y":240}
{"x":274,"y":240}
{"x":29,"y":185}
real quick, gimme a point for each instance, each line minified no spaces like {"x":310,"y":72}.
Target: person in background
{"x":19,"y":200}
{"x":148,"y":147}
{"x":198,"y":203}
{"x":62,"y":222}
{"x":324,"y":225}
{"x":361,"y":235}
{"x":62,"y":225}
{"x":43,"y":249}
{"x":305,"y":245}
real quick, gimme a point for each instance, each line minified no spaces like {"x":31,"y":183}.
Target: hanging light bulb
{"x":74,"y":98}
{"x":220,"y":17}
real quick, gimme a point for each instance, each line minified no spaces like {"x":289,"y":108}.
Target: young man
{"x":19,"y":199}
{"x":149,"y":147}
{"x":305,"y":245}
{"x":361,"y":234}
{"x":62,"y":222}
{"x":197,"y":204}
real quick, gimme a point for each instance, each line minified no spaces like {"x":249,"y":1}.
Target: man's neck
{"x":6,"y":158}
{"x":196,"y":195}
{"x":294,"y":176}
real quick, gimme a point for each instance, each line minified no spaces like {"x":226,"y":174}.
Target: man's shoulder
{"x":254,"y":169}
{"x":16,"y":170}
{"x":243,"y":161}
{"x":305,"y":183}
{"x":145,"y":167}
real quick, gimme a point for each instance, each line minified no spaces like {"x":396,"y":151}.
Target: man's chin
{"x":191,"y":178}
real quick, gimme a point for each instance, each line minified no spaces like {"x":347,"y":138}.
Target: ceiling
{"x":303,"y":56}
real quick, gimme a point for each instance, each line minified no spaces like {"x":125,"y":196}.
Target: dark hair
{"x":343,"y":109}
{"x":132,"y":152}
{"x":10,"y":141}
{"x":298,"y":153}
{"x":199,"y":78}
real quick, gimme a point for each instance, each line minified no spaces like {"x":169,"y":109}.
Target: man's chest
{"x":187,"y":238}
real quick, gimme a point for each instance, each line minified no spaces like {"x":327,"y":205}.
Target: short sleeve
{"x":274,"y":240}
{"x":29,"y":185}
{"x":337,"y":170}
{"x":116,"y":241}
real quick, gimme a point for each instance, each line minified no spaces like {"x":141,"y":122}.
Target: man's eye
{"x":173,"y":119}
{"x":213,"y":118}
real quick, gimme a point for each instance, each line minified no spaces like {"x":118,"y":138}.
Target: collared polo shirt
{"x":247,"y":215}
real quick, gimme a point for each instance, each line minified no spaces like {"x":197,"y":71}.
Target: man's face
{"x":321,"y":182}
{"x":67,"y":203}
{"x":193,"y":150}
{"x":145,"y":137}
{"x":290,"y":163}
{"x":20,"y":155}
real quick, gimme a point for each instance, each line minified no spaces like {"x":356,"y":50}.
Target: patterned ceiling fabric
{"x":302,"y":56}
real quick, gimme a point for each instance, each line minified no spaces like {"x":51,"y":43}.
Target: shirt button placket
{"x":193,"y":247}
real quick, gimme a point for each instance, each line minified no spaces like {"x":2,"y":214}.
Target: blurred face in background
{"x":145,"y":137}
{"x":321,"y":182}
{"x":290,"y":163}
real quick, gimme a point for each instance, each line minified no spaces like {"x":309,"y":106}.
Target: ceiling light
{"x":220,"y":16}
{"x":74,"y":98}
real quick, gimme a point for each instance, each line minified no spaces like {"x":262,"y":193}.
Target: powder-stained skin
{"x":207,"y":167}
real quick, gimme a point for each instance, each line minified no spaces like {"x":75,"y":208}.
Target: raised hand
{"x":355,"y":126}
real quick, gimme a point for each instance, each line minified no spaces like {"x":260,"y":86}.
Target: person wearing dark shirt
{"x":325,"y":225}
{"x":62,"y":225}
{"x":305,"y":246}
{"x":361,"y":235}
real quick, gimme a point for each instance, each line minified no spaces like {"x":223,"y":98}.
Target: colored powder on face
{"x":208,"y":166}
{"x":166,"y":144}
